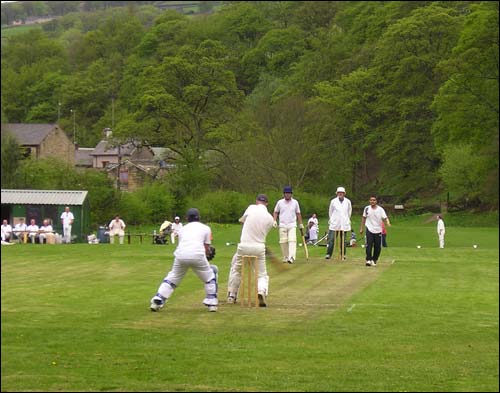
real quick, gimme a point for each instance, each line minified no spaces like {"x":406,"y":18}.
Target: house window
{"x":124,"y":176}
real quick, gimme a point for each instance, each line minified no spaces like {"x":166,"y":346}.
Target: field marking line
{"x":350,"y":308}
{"x":392,"y":263}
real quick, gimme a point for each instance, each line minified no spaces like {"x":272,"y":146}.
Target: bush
{"x":222,"y":206}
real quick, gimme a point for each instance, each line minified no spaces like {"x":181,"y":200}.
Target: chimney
{"x":107,"y":132}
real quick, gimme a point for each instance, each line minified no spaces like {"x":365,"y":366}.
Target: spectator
{"x":32,"y":231}
{"x":353,"y":241}
{"x":116,"y":227}
{"x":46,"y":233}
{"x":312,"y":229}
{"x":6,"y":231}
{"x":20,"y":231}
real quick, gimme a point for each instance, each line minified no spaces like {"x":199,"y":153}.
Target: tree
{"x":407,"y":80}
{"x":11,"y":157}
{"x":467,"y":103}
{"x":182,"y":104}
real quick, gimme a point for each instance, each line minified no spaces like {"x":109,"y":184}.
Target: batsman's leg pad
{"x":166,"y":289}
{"x":292,"y":250}
{"x":211,"y":289}
{"x":283,"y":235}
{"x":284,"y":249}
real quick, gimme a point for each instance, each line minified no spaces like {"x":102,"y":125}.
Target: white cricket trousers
{"x":254,"y":249}
{"x":441,"y":240}
{"x":67,"y":233}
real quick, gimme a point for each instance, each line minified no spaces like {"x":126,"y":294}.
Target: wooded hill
{"x":397,"y":98}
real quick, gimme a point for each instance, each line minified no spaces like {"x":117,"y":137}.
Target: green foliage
{"x":11,"y":156}
{"x":260,"y":94}
{"x":221,"y":206}
{"x":134,"y":210}
{"x":160,"y":201}
{"x":461,"y":171}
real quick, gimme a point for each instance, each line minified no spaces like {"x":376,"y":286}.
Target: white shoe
{"x":156,"y":304}
{"x":291,"y":260}
{"x":231,"y":300}
{"x":374,"y":263}
{"x":368,"y":263}
{"x":212,"y":308}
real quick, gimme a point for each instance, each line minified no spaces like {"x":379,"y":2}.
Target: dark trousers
{"x":331,"y":242}
{"x":373,"y":245}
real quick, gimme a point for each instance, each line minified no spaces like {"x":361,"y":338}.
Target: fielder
{"x":176,"y":227}
{"x":257,"y":222}
{"x":373,"y":214}
{"x":194,"y":251}
{"x":441,"y":231}
{"x":288,"y":210}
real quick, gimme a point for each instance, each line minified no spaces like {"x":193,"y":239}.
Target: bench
{"x":139,"y":235}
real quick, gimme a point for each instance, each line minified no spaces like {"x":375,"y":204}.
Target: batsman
{"x":257,"y":222}
{"x":287,"y":211}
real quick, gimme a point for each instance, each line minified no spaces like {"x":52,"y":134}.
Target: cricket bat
{"x":305,"y":244}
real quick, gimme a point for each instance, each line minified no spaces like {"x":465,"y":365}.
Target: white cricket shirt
{"x":374,"y":218}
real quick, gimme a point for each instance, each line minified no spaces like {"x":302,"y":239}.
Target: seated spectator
{"x":116,"y":227}
{"x":32,"y":231}
{"x":165,"y":230}
{"x":6,"y":231}
{"x":352,"y":242}
{"x":20,"y":230}
{"x":46,"y":233}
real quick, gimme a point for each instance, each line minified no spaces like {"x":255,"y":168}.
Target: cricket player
{"x":176,"y":227}
{"x":441,"y":231}
{"x":257,"y":222}
{"x":373,"y":214}
{"x":194,"y":246}
{"x":288,"y":212}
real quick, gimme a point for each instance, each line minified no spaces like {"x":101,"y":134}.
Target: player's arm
{"x":362,"y":227}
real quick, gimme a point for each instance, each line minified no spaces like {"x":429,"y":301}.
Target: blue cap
{"x":193,"y":215}
{"x":287,"y":189}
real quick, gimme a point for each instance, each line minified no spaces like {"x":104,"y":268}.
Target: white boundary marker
{"x":350,"y":308}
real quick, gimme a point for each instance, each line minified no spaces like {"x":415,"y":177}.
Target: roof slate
{"x":43,"y":197}
{"x":28,"y":134}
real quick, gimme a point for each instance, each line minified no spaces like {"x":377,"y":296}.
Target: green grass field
{"x":76,"y":318}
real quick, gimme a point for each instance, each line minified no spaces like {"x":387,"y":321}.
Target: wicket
{"x":248,"y":291}
{"x":339,"y":245}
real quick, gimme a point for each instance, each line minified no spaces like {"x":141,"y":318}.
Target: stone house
{"x":41,"y":140}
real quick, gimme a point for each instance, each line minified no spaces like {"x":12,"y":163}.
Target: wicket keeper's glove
{"x":211,"y":253}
